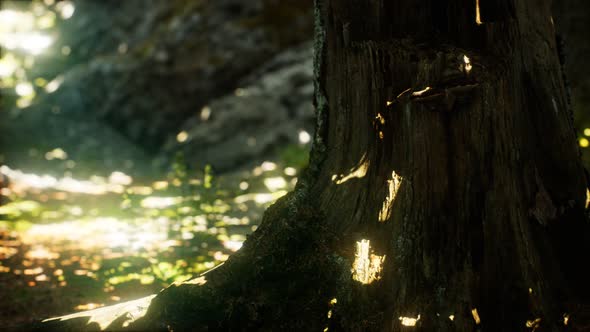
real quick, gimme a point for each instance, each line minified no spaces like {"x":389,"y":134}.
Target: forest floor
{"x":69,"y":245}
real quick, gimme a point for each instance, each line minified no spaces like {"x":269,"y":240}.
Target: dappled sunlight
{"x":367,"y":267}
{"x":421,"y":92}
{"x":160,"y":202}
{"x":88,"y":222}
{"x":94,"y":186}
{"x":467,"y":64}
{"x":18,"y":32}
{"x":41,"y":252}
{"x":182,"y":137}
{"x":477,"y":13}
{"x":260,"y":198}
{"x":117,"y":237}
{"x":8,"y":65}
{"x":66,"y":9}
{"x":475,"y":315}
{"x":409,"y":321}
{"x":358,"y":172}
{"x":27,"y":34}
{"x":275,"y":183}
{"x":197,"y":281}
{"x":131,"y":310}
{"x":533,"y":324}
{"x":54,"y":84}
{"x":392,"y":188}
{"x":102,"y":232}
{"x":233,"y":245}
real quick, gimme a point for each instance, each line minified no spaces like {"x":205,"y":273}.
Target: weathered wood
{"x":489,"y":190}
{"x":445,"y":175}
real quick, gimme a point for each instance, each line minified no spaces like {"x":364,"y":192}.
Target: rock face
{"x":271,"y":108}
{"x":164,"y":65}
{"x":136,"y":71}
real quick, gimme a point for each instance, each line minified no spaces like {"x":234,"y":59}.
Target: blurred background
{"x":141,"y":140}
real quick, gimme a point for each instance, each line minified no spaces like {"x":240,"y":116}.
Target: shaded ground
{"x":68,"y":245}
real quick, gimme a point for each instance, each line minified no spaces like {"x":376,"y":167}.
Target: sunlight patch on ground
{"x":95,"y":186}
{"x":260,"y":198}
{"x":56,"y":153}
{"x":122,"y":238}
{"x":233,"y":245}
{"x":197,"y":281}
{"x":120,"y":178}
{"x":154,"y":202}
{"x":132,"y":310}
{"x":102,"y":232}
{"x":367,"y":267}
{"x":41,"y":252}
{"x":275,"y":183}
{"x":266,"y":166}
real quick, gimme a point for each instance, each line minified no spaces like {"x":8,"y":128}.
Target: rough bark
{"x":471,"y":193}
{"x":572,"y":19}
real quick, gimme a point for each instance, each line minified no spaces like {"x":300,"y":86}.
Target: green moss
{"x":320,"y":101}
{"x":287,"y":262}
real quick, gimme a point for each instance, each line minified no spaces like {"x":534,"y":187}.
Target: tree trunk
{"x":445,"y":190}
{"x":572,"y":20}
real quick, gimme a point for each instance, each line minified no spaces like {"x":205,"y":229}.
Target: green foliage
{"x":168,"y":273}
{"x":295,"y":155}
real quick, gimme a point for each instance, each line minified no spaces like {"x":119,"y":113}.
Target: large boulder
{"x":271,"y":108}
{"x":145,"y":66}
{"x":135,"y":71}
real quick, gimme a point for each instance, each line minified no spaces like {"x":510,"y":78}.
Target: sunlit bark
{"x":445,"y":190}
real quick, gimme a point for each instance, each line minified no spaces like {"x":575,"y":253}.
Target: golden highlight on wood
{"x":393,"y":187}
{"x":357,"y":172}
{"x":409,"y":321}
{"x":367,"y":266}
{"x":477,"y":13}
